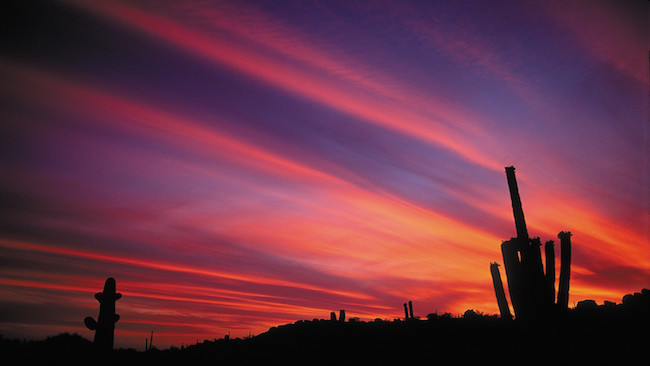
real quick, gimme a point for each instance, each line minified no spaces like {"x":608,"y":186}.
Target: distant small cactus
{"x":104,"y":327}
{"x":408,"y":310}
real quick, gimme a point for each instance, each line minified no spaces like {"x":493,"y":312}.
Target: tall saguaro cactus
{"x":531,"y":288}
{"x":104,"y":327}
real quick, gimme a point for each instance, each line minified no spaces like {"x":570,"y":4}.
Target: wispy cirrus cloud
{"x":358,"y":99}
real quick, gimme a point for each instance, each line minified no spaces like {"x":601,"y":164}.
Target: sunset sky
{"x":237,"y":165}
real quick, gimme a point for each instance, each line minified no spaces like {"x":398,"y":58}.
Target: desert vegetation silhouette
{"x":532,"y":290}
{"x":104,"y":327}
{"x":543,"y":330}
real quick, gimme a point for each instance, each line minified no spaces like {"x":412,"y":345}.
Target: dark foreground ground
{"x":591,"y":335}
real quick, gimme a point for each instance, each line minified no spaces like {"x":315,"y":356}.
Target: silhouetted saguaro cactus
{"x":342,"y":315}
{"x":148,"y":344}
{"x":411,"y":309}
{"x":565,"y":269}
{"x":532,"y":290}
{"x":104,"y":327}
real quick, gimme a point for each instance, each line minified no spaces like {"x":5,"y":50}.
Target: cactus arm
{"x":549,"y":250}
{"x":504,"y":309}
{"x":514,"y":275}
{"x":90,"y":323}
{"x":565,"y":270}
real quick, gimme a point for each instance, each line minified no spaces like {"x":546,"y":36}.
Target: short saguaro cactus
{"x":104,"y":327}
